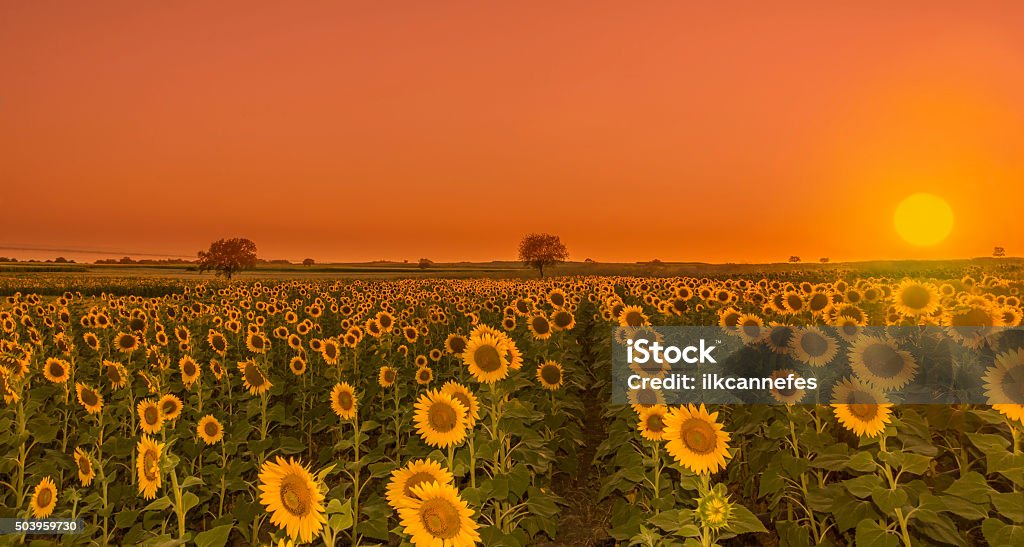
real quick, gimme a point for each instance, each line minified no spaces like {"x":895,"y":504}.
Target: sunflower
{"x":486,"y":357}
{"x":860,"y":408}
{"x":330,"y":351}
{"x":414,"y":474}
{"x":92,"y":341}
{"x":652,"y":422}
{"x":218,"y":343}
{"x":881,"y":363}
{"x":217,"y":369}
{"x":549,"y":374}
{"x":750,"y":328}
{"x":88,"y":397}
{"x":293,"y":499}
{"x":126,"y":343}
{"x":44,"y":498}
{"x":343,"y":401}
{"x":632,"y":316}
{"x":563,"y":320}
{"x":8,"y":393}
{"x":189,"y":371}
{"x":435,"y":515}
{"x":297,"y":365}
{"x":253,"y":378}
{"x":973,"y":325}
{"x":147,"y":466}
{"x":210,"y":430}
{"x":788,"y":395}
{"x":151,"y":420}
{"x":57,"y":370}
{"x":540,"y":327}
{"x":440,"y":419}
{"x":86,"y":472}
{"x":1004,"y":381}
{"x":257,"y":342}
{"x":424,"y":375}
{"x":463,"y":395}
{"x":645,"y":397}
{"x":170,"y":407}
{"x":386,"y":377}
{"x":116,"y":374}
{"x":913,"y":298}
{"x":696,"y":440}
{"x":455,"y":344}
{"x":812,"y":346}
{"x":1013,"y":412}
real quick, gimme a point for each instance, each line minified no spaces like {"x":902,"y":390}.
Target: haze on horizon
{"x":448,"y":130}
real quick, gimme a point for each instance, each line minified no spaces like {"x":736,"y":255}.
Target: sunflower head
{"x":436,"y":515}
{"x":44,"y":498}
{"x":696,"y":440}
{"x":440,"y":419}
{"x":343,"y":401}
{"x":293,"y":498}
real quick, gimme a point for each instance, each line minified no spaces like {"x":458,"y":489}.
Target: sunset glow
{"x":363,"y":131}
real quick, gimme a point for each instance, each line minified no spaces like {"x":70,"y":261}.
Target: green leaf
{"x":863,"y":486}
{"x":889,"y":500}
{"x":938,"y":527}
{"x":160,"y":504}
{"x":191,"y":481}
{"x":743,"y":521}
{"x":988,"y":442}
{"x":861,"y":461}
{"x":972,"y":487}
{"x":1009,"y":505}
{"x":870,"y":534}
{"x":997,"y":532}
{"x":215,"y":537}
{"x":188,"y":501}
{"x":667,"y":521}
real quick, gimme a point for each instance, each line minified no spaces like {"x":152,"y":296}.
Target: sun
{"x":923,"y":219}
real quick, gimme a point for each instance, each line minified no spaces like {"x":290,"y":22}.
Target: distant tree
{"x":60,"y":260}
{"x":308,"y":262}
{"x":823,"y":260}
{"x":425,"y":263}
{"x":126,"y":260}
{"x":540,"y":250}
{"x":228,"y":256}
{"x":589,"y":261}
{"x":794,"y":259}
{"x":999,"y":252}
{"x":656,"y":262}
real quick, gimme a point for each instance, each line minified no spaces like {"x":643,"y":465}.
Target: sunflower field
{"x":436,"y":412}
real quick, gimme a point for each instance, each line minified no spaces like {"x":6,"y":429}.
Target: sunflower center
{"x":442,"y":417}
{"x":345,"y":400}
{"x":253,"y":376}
{"x":190,"y":368}
{"x":1013,"y":384}
{"x":562,"y":319}
{"x":56,"y":370}
{"x":151,"y":415}
{"x":211,"y":429}
{"x":814,"y":344}
{"x":84,"y":465}
{"x":550,"y":374}
{"x":417,"y":479}
{"x":440,"y":518}
{"x":862,"y":405}
{"x":170,"y":407}
{"x":634,"y":318}
{"x":916,"y":297}
{"x":655,"y":423}
{"x":818,"y":301}
{"x":89,"y":397}
{"x":883,"y":361}
{"x":149,"y":465}
{"x":295,"y":495}
{"x":698,"y":436}
{"x":780,"y":336}
{"x":540,"y":325}
{"x":487,"y":358}
{"x":45,"y":497}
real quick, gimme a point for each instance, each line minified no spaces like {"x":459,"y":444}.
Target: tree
{"x":425,"y":263}
{"x":227,"y":256}
{"x":308,"y":262}
{"x":540,"y":250}
{"x":823,"y":260}
{"x":794,"y":259}
{"x":999,"y":252}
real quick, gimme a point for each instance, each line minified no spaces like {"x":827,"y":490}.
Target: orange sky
{"x":391,"y":130}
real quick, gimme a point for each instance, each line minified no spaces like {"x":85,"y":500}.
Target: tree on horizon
{"x":228,"y":256}
{"x":540,"y":250}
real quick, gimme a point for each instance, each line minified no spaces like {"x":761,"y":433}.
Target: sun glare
{"x":923,"y":219}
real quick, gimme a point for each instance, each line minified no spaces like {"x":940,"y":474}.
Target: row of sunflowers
{"x":456,"y":412}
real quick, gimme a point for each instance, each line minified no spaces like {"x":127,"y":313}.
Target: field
{"x":382,"y":405}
